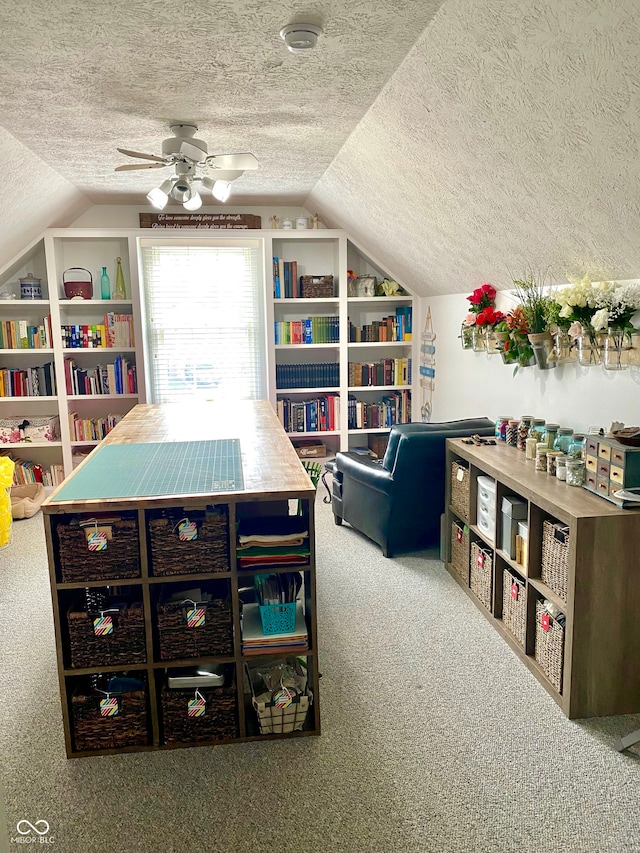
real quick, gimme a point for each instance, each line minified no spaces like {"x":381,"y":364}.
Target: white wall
{"x":126,"y":216}
{"x":472,"y":384}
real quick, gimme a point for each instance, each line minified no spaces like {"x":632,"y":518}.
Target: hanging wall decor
{"x":427,"y":368}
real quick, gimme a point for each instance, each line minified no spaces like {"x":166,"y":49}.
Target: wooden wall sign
{"x":212,"y":221}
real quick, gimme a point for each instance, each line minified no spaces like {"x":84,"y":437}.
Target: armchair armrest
{"x":368,"y":472}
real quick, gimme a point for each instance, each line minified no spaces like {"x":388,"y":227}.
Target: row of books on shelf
{"x":116,"y":331}
{"x":21,"y":334}
{"x":117,"y":378}
{"x":29,"y":382}
{"x":316,"y":375}
{"x":387,"y":371}
{"x":394,"y":408}
{"x":321,"y":414}
{"x":285,"y":279}
{"x":313,"y":330}
{"x":26,"y":472}
{"x":91,"y":429}
{"x":392,"y":328}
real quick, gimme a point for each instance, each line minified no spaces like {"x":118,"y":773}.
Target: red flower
{"x":482,"y":297}
{"x":489,"y":317}
{"x":475,"y":298}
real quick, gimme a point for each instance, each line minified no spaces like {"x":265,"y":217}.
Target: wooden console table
{"x":267,"y":475}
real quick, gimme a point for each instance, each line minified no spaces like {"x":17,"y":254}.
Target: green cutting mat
{"x":160,"y":468}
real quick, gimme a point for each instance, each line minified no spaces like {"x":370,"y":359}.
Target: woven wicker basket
{"x":129,"y":727}
{"x":555,"y":557}
{"x":125,"y":645}
{"x":549,"y":649}
{"x":316,"y":286}
{"x":514,"y":609}
{"x":120,"y":559}
{"x":460,"y":479}
{"x":209,"y":552}
{"x":219,"y":721}
{"x":460,"y":550}
{"x":178,"y":640}
{"x":481,"y":576}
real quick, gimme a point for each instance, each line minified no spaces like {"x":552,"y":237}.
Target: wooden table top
{"x":271,"y":468}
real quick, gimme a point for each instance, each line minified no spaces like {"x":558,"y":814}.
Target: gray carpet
{"x":435,"y":737}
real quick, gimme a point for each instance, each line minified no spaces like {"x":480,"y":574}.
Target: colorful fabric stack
{"x":280,"y":540}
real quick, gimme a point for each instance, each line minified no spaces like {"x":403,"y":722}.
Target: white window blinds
{"x":203,"y":306}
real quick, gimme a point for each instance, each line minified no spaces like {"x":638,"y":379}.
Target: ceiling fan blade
{"x":130,"y":166}
{"x":233,"y":161}
{"x":141,"y":156}
{"x":225,"y":174}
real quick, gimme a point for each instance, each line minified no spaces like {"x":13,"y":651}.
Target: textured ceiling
{"x":78,"y":80}
{"x":508,"y":140}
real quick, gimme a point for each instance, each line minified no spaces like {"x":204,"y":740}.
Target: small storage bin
{"x":120,"y":559}
{"x":183,"y":634}
{"x":208,"y":552}
{"x":316,"y":286}
{"x":211,"y":713}
{"x":486,"y":507}
{"x":93,"y":727}
{"x":481,"y":573}
{"x":549,"y":646}
{"x":278,"y":618}
{"x":460,"y":488}
{"x":274,"y":720}
{"x":460,"y":550}
{"x":513,"y":510}
{"x":555,"y":557}
{"x":514,"y":606}
{"x":123,"y":644}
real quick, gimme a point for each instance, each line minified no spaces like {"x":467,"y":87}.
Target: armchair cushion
{"x":397,"y":502}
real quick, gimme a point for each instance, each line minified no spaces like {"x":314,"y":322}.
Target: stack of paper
{"x":255,"y":641}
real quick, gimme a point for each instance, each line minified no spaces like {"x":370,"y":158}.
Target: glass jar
{"x":589,"y":349}
{"x":541,"y":456}
{"x":512,"y":433}
{"x":563,"y":344}
{"x":616,"y":345}
{"x":576,"y":448}
{"x":466,"y":336}
{"x":632,"y":355}
{"x":523,"y":430}
{"x":501,"y":427}
{"x":551,"y":431}
{"x":563,"y":439}
{"x":530,"y":448}
{"x":494,"y":341}
{"x":479,"y":339}
{"x":536,"y":430}
{"x":561,"y":467}
{"x":575,"y":472}
{"x":552,"y":461}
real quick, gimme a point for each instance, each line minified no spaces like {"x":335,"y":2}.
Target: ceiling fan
{"x":186,"y":154}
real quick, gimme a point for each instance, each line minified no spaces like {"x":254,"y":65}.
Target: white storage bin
{"x":486,"y":524}
{"x":486,"y":506}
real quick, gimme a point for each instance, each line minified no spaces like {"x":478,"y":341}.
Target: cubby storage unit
{"x":583,"y":646}
{"x":137,"y":597}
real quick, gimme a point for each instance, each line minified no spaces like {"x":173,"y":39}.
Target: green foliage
{"x":537,"y":305}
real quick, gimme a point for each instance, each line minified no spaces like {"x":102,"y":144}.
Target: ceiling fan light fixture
{"x":221,"y":190}
{"x":300,"y":38}
{"x":194,"y":203}
{"x":159,"y":196}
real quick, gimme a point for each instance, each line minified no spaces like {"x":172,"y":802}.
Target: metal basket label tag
{"x":459,"y":534}
{"x":544,"y":621}
{"x":96,"y":540}
{"x":283,"y":698}
{"x":514,"y":591}
{"x":197,"y":706}
{"x":187,"y":530}
{"x":196,"y":617}
{"x":102,"y":626}
{"x":109,"y":707}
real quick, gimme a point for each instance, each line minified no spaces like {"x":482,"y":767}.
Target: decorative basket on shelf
{"x":460,"y":480}
{"x":316,"y":286}
{"x":460,"y":550}
{"x":183,"y":632}
{"x":481,"y":573}
{"x":123,"y":724}
{"x":514,"y":606}
{"x":121,"y":642}
{"x":120,"y":558}
{"x":211,"y":713}
{"x":549,"y":648}
{"x":172,"y":553}
{"x":554,"y":566}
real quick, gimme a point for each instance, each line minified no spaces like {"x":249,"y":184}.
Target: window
{"x":205,"y":335}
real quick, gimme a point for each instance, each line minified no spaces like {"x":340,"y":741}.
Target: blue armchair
{"x":397,"y":501}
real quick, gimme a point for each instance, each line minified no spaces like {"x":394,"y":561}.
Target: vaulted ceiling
{"x":458,"y":141}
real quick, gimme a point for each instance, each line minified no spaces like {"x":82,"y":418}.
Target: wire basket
{"x":208,"y":552}
{"x":123,"y":644}
{"x":549,"y":648}
{"x":460,"y":479}
{"x":514,"y":606}
{"x":481,"y":573}
{"x":275,"y":720}
{"x":554,"y":566}
{"x":120,"y":558}
{"x":460,"y":550}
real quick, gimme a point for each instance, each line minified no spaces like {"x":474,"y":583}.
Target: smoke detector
{"x":300,"y":38}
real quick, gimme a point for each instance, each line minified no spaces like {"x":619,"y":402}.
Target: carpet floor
{"x":435,"y":737}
